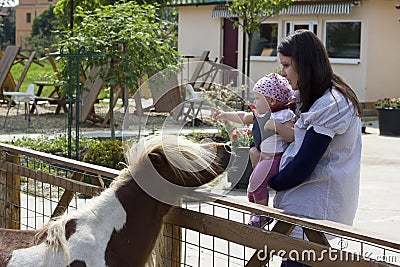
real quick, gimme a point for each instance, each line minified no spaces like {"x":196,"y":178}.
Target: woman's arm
{"x":304,"y":162}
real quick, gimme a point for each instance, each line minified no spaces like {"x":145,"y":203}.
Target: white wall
{"x":375,"y":76}
{"x":383,"y":73}
{"x":198,"y":31}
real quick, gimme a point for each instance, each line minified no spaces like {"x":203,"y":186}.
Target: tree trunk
{"x":250,"y":37}
{"x":244,"y":79}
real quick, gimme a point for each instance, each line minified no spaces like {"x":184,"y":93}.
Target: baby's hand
{"x":269,"y":125}
{"x":217,"y":114}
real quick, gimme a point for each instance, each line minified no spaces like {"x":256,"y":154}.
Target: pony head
{"x":169,"y":166}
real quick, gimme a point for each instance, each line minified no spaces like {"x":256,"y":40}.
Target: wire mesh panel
{"x":220,"y":248}
{"x":199,"y":249}
{"x":33,"y":190}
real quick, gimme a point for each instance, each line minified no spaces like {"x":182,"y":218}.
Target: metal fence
{"x":207,"y":230}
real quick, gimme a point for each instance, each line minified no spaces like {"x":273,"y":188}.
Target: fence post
{"x":173,"y":246}
{"x":2,"y":199}
{"x":10,"y":199}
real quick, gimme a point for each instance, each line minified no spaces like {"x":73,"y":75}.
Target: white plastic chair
{"x":28,"y":98}
{"x":195,"y":104}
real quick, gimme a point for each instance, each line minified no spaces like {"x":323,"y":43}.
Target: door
{"x":230,"y":44}
{"x":230,"y":51}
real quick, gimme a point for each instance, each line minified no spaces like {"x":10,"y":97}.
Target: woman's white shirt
{"x":331,"y":192}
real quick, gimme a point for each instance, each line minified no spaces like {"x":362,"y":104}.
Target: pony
{"x":121,"y":226}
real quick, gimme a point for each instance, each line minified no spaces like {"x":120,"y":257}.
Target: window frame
{"x":28,"y":17}
{"x":268,"y":58}
{"x":343,"y":60}
{"x":293,"y":23}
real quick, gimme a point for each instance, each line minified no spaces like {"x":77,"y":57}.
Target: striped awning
{"x":320,"y":8}
{"x":196,"y":2}
{"x":221,"y":12}
{"x":334,"y":8}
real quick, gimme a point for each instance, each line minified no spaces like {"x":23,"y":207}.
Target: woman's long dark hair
{"x":311,"y":61}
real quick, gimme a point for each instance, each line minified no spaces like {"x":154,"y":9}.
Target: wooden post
{"x":10,"y":196}
{"x":66,"y":197}
{"x":51,"y":59}
{"x":2,"y":199}
{"x":172,"y":245}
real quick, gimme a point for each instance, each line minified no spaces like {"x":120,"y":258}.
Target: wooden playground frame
{"x":16,"y":166}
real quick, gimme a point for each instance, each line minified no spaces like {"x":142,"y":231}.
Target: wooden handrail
{"x":69,"y":163}
{"x":320,"y":225}
{"x":260,"y":239}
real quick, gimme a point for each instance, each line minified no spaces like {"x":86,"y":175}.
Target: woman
{"x":320,"y":170}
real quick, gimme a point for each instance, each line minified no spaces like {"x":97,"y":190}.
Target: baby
{"x":272,"y":94}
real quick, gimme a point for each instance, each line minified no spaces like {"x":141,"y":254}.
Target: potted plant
{"x":389,"y":116}
{"x":240,"y":171}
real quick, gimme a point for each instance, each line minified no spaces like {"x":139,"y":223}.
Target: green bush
{"x":105,"y":153}
{"x":57,"y":145}
{"x":108,"y":153}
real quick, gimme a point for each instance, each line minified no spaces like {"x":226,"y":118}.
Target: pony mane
{"x":54,"y":235}
{"x":183,"y":156}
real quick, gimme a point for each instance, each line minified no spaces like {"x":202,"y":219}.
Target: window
{"x":343,"y":39}
{"x":265,"y":42}
{"x":297,"y":25}
{"x":28,"y":18}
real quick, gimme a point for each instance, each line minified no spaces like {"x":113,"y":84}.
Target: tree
{"x":147,"y":41}
{"x":251,"y":14}
{"x":63,"y":7}
{"x":7,"y":29}
{"x":44,"y":31}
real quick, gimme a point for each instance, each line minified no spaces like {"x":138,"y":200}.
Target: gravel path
{"x":58,"y":124}
{"x":52,"y":123}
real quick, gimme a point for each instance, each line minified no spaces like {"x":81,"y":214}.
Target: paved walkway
{"x":379,"y":209}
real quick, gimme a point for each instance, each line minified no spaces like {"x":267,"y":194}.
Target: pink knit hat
{"x":274,"y":86}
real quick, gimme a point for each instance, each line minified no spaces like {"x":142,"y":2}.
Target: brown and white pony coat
{"x":120,"y":226}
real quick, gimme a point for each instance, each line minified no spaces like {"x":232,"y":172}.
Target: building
{"x":25,"y":13}
{"x":361,"y":37}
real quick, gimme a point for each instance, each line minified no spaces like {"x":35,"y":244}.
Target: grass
{"x":39,"y":73}
{"x":35,"y":73}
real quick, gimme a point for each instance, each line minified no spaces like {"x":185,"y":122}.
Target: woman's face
{"x":262,"y":104}
{"x":288,"y":70}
